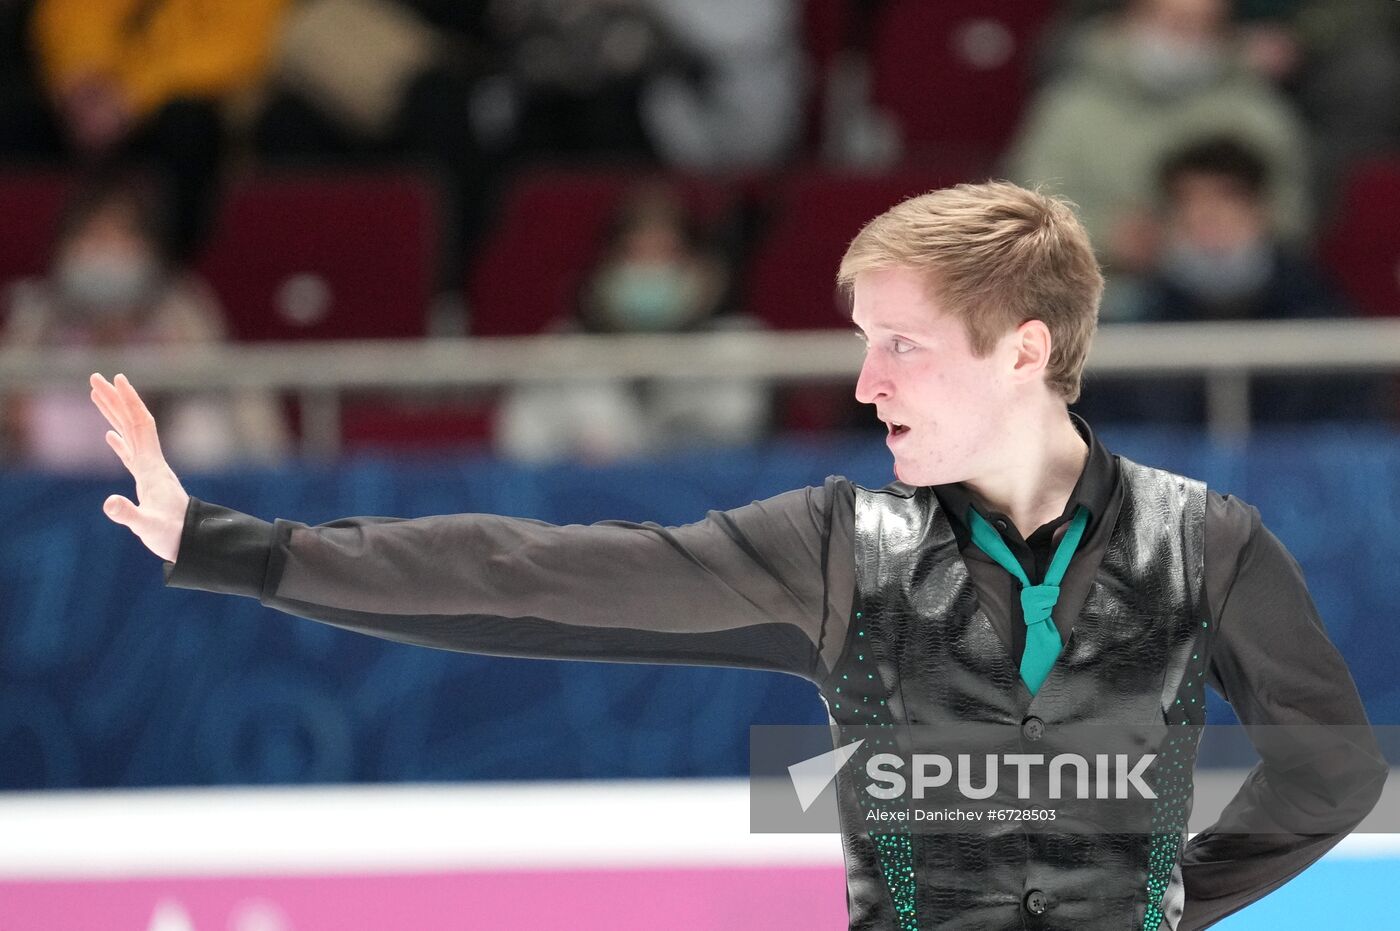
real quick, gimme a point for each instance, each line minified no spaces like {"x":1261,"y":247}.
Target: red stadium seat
{"x":31,"y":204}
{"x":325,"y":257}
{"x":1363,"y":247}
{"x":791,"y":282}
{"x":955,"y":72}
{"x":549,"y":233}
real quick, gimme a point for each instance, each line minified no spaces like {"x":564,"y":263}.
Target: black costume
{"x":1172,"y":587}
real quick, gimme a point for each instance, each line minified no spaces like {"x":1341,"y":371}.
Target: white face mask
{"x":1172,"y":66}
{"x":106,"y":282}
{"x":1219,"y":277}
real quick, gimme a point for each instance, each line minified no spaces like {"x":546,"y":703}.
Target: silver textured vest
{"x":921,"y":651}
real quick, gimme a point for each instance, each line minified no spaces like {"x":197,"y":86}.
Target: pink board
{"x":730,"y":899}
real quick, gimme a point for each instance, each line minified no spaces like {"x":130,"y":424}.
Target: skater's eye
{"x":901,"y":346}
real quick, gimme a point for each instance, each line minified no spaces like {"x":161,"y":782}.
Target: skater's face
{"x":944,"y":409}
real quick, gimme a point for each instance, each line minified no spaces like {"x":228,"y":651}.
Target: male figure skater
{"x":1017,"y":574}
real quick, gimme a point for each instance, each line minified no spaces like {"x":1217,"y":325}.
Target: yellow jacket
{"x":157,"y":50}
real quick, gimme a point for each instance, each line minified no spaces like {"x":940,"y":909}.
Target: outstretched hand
{"x":159,"y":514}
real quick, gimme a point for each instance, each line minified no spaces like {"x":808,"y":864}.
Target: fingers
{"x":114,"y":406}
{"x":120,"y":510}
{"x":120,"y":398}
{"x":141,"y":425}
{"x":103,"y":386}
{"x":128,"y":415}
{"x":105,"y":404}
{"x":133,"y":438}
{"x":105,"y":397}
{"x":120,"y":447}
{"x":130,"y":400}
{"x":134,"y":432}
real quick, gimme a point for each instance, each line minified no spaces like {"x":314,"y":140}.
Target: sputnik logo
{"x":812,"y":776}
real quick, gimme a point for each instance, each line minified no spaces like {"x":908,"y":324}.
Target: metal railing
{"x":1225,"y":355}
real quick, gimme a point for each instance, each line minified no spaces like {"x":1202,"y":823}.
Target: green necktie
{"x":1037,"y":601}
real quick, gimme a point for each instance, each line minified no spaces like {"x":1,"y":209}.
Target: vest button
{"x":1037,"y":902}
{"x":1033,"y":728}
{"x":1001,"y":524}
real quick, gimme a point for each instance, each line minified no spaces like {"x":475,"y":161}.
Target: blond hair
{"x":994,"y":255}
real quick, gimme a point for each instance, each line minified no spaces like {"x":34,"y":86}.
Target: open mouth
{"x":897,"y":429}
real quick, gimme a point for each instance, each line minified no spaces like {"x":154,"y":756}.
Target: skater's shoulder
{"x":1229,"y":516}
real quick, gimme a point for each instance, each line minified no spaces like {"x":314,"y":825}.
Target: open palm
{"x":159,"y":514}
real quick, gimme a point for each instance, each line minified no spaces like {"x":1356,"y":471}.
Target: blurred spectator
{"x":746,"y":109}
{"x":28,"y":131}
{"x":655,"y":276}
{"x":110,"y":286}
{"x":1222,"y":259}
{"x":580,"y":70}
{"x":1263,"y":31}
{"x":471,"y":88}
{"x":364,"y":81}
{"x":141,"y":81}
{"x":1137,"y":85}
{"x":1061,"y":43}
